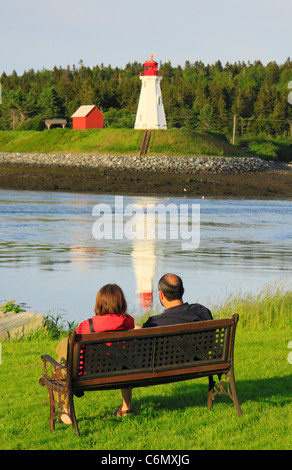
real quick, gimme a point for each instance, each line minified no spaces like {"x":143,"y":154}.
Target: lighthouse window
{"x":158,"y":100}
{"x":145,"y":83}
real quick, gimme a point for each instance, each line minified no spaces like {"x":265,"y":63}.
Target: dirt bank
{"x":268,"y":184}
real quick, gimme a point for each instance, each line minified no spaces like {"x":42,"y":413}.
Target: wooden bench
{"x":56,"y":122}
{"x":139,"y":358}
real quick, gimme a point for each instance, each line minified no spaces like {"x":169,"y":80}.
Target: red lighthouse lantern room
{"x":150,"y":67}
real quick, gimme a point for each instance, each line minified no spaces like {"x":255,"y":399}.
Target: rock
{"x":19,"y":324}
{"x":155,"y":164}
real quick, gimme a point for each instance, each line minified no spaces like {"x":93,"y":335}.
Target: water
{"x":50,"y":260}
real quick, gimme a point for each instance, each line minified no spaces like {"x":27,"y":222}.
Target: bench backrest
{"x":150,"y":355}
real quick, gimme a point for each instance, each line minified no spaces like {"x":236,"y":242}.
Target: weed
{"x":10,"y":306}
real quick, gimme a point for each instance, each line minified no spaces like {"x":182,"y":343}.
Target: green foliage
{"x":34,"y":124}
{"x":48,"y":103}
{"x":56,"y":326}
{"x":11,"y":306}
{"x":119,"y":118}
{"x":206,"y":118}
{"x":270,"y":308}
{"x":265,"y":146}
{"x":17,"y":107}
{"x":196,"y":96}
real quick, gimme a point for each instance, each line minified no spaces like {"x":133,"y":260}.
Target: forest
{"x":196,"y":96}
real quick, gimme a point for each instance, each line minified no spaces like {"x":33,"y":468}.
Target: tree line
{"x":196,"y":96}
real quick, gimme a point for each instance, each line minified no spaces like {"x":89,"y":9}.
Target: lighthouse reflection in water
{"x":144,"y":262}
{"x":143,"y":225}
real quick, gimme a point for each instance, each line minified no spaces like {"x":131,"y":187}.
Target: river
{"x":53,"y":260}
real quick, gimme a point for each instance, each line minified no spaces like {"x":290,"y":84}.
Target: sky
{"x":42,"y":34}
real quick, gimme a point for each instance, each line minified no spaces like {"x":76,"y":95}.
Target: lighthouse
{"x":150,"y":112}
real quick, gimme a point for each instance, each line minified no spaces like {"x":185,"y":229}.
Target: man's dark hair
{"x":171,"y":286}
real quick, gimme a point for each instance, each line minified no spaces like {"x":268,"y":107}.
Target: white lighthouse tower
{"x":150,"y":112}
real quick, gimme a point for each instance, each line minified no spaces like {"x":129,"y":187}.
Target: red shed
{"x":87,"y":117}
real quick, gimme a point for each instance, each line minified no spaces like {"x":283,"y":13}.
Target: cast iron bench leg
{"x":234,"y":392}
{"x":224,"y":387}
{"x":52,"y":410}
{"x":72,"y":413}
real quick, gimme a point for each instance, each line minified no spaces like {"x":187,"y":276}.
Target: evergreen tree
{"x":17,"y":108}
{"x":49,"y":105}
{"x":198,"y":96}
{"x":206,"y":118}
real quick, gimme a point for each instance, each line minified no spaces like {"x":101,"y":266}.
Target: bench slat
{"x":142,"y":379}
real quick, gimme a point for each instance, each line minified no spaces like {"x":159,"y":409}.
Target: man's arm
{"x":150,"y":323}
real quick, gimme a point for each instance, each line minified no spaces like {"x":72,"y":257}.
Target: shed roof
{"x":83,"y":110}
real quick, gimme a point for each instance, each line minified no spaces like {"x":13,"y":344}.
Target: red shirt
{"x":109,"y":322}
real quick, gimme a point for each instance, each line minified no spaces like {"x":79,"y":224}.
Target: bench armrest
{"x":47,"y":358}
{"x":59,"y":371}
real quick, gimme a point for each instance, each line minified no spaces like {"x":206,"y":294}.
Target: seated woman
{"x":110,"y":314}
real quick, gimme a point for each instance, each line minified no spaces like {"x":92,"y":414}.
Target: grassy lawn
{"x":176,"y":142}
{"x":116,"y":141}
{"x":168,"y":417}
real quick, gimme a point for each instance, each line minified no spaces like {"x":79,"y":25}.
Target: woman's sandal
{"x":120,"y":413}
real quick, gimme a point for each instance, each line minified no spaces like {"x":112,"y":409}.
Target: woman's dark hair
{"x":171,"y":286}
{"x":110,"y":299}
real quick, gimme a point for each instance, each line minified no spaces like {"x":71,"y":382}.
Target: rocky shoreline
{"x":155,"y":164}
{"x":249,"y":177}
{"x":17,"y":324}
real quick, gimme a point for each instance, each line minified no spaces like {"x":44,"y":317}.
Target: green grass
{"x":116,"y":141}
{"x":270,"y":308}
{"x":176,"y":142}
{"x":273,"y":148}
{"x":168,"y":417}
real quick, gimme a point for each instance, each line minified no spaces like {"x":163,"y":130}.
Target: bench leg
{"x":72,"y":413}
{"x":234,"y":396}
{"x":210,"y":393}
{"x":224,"y":387}
{"x":52,"y":411}
{"x":55,"y":402}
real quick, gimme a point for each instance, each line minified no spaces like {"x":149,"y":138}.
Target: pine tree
{"x":49,"y":105}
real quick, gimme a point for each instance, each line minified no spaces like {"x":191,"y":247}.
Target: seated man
{"x":176,"y":311}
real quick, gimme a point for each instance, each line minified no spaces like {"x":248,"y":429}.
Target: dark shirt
{"x":184,"y":313}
